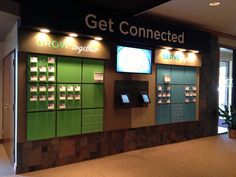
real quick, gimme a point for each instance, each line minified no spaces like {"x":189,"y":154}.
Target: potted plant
{"x":229,"y":116}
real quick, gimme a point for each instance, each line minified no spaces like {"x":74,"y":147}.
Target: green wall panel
{"x":189,"y":112}
{"x":177,"y":75}
{"x":92,"y":95}
{"x":89,"y":68}
{"x":40,"y":125}
{"x":162,"y":70}
{"x":92,"y":120}
{"x":68,"y":122}
{"x":177,"y":112}
{"x":190,"y":75}
{"x":163,"y":114}
{"x":177,"y":94}
{"x":69,"y":69}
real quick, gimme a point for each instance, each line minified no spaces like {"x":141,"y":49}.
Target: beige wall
{"x":1,"y":58}
{"x":9,"y":44}
{"x":227,"y":42}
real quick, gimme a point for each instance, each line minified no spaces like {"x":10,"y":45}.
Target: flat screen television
{"x":133,"y":60}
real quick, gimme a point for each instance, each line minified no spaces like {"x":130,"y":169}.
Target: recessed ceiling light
{"x":73,"y":35}
{"x":98,"y":38}
{"x":44,"y":30}
{"x":214,"y":3}
{"x":182,"y":50}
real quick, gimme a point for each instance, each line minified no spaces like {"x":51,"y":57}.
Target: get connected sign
{"x":125,"y":28}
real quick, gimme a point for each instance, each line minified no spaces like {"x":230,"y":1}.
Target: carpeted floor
{"x":207,"y":157}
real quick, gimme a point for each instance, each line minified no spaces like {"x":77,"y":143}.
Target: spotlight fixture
{"x":182,"y":50}
{"x":168,"y":48}
{"x":195,"y":51}
{"x":44,"y":30}
{"x":214,"y":3}
{"x":98,"y":38}
{"x":73,"y":35}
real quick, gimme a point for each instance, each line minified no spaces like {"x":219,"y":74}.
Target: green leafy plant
{"x":229,"y":116}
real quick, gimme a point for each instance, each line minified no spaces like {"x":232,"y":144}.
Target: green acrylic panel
{"x":92,"y":120}
{"x":92,"y":95}
{"x":68,"y":122}
{"x":89,"y":68}
{"x":162,"y":70}
{"x":163,"y":114}
{"x":40,"y":125}
{"x":190,"y":75}
{"x":189,"y":112}
{"x":177,"y":112}
{"x":177,"y":75}
{"x":177,"y":94}
{"x":68,"y":70}
{"x":73,"y":103}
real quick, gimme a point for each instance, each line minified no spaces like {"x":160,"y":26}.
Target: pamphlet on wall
{"x":51,"y":97}
{"x":33,"y":69}
{"x":70,"y":88}
{"x":51,"y":60}
{"x":33,"y":88}
{"x":51,"y":69}
{"x":186,"y":100}
{"x":77,"y":88}
{"x":159,"y":101}
{"x":33,"y":78}
{"x":62,"y":96}
{"x":42,"y":78}
{"x":70,"y":97}
{"x":33,"y":59}
{"x":62,"y":106}
{"x":98,"y":77}
{"x":51,"y":106}
{"x":33,"y":98}
{"x":42,"y":69}
{"x":159,"y":88}
{"x":51,"y":78}
{"x":194,"y":88}
{"x":168,"y":101}
{"x":51,"y":88}
{"x":62,"y":88}
{"x":77,"y":97}
{"x":42,"y":88}
{"x":186,"y":87}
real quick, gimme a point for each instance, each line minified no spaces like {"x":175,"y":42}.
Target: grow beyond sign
{"x":62,"y":45}
{"x":125,"y":28}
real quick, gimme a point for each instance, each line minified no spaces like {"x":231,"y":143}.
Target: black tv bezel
{"x":121,"y":100}
{"x":138,"y":47}
{"x":141,"y":95}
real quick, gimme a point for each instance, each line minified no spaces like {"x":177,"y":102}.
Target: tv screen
{"x":133,"y":60}
{"x":124,"y":99}
{"x":145,"y":97}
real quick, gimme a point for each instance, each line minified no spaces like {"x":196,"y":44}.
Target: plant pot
{"x":232,"y":133}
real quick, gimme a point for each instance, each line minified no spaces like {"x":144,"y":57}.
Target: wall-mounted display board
{"x":71,"y":103}
{"x":169,"y":57}
{"x":177,"y":94}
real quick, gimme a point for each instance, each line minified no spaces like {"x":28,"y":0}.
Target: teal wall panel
{"x":89,"y":68}
{"x":69,"y":70}
{"x":163,"y":114}
{"x":68,"y":122}
{"x":190,"y":111}
{"x":162,"y":70}
{"x":92,"y":95}
{"x":177,"y":112}
{"x":190,"y":75}
{"x":177,"y":75}
{"x":92,"y":120}
{"x":177,"y":94}
{"x":40,"y":125}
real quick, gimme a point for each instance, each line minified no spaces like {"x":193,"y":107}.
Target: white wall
{"x":9,"y":44}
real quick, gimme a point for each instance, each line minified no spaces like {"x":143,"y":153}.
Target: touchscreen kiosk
{"x":145,"y":98}
{"x":124,"y":98}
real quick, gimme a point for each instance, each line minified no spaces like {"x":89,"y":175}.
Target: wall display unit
{"x":177,"y":94}
{"x":64,"y":96}
{"x":133,"y":60}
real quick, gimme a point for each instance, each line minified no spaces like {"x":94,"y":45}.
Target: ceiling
{"x":198,"y":12}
